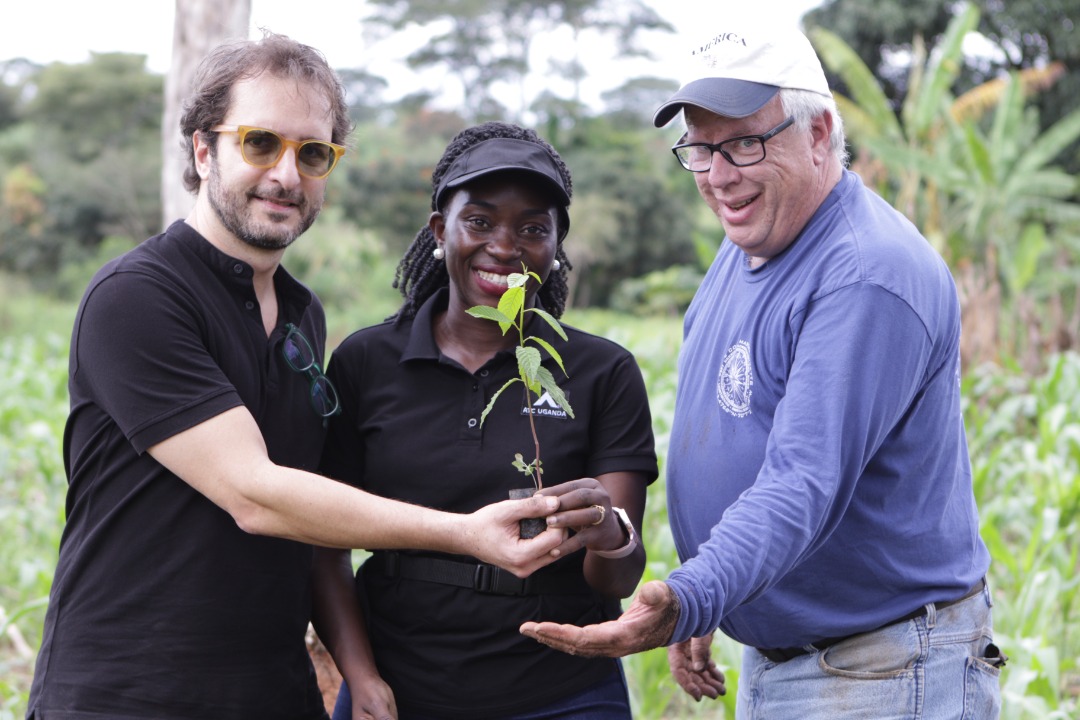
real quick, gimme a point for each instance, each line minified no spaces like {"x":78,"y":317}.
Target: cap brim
{"x":723,"y":96}
{"x":550,"y":183}
{"x":503,"y":155}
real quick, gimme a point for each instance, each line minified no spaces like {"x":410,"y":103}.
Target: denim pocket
{"x":982,"y":696}
{"x":888,"y":653}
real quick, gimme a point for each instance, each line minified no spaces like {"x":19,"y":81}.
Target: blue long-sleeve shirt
{"x":818,"y":476}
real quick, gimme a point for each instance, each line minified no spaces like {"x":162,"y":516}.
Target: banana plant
{"x":973,"y":172}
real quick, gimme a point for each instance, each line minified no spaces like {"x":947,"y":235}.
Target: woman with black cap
{"x":436,"y":636}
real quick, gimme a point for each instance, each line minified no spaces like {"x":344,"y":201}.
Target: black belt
{"x":780,"y":655}
{"x":480,"y":577}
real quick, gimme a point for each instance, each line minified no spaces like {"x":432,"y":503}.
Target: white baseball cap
{"x":736,"y":70}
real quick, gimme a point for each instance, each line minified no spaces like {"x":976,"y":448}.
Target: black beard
{"x":236,"y":218}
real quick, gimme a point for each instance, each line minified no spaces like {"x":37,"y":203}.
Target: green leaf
{"x":1025,"y":263}
{"x":550,"y":320}
{"x":490,"y":313}
{"x":1006,"y":129}
{"x":1052,"y":142}
{"x":528,"y":359}
{"x":979,"y":154}
{"x":526,"y":468}
{"x":516,"y":280}
{"x":491,"y":402}
{"x":510,"y":304}
{"x":876,"y":115}
{"x":551,"y":351}
{"x":547,"y":382}
{"x":945,"y":67}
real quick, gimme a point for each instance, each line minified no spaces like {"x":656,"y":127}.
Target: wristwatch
{"x":631,"y":537}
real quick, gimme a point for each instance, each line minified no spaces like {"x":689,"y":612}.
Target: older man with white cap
{"x":819,"y":486}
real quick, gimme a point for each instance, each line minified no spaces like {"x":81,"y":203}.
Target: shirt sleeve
{"x":621,"y":437}
{"x":859,"y":358}
{"x":139,"y":355}
{"x":343,"y":451}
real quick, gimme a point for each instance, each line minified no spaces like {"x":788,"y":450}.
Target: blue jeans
{"x":608,"y":699}
{"x":934,"y":667}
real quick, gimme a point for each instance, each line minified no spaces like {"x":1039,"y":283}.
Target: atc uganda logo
{"x":735,"y":381}
{"x":545,"y":406}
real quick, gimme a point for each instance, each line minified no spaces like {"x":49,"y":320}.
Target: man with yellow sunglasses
{"x":198,"y":407}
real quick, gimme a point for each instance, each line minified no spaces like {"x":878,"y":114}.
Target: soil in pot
{"x":529,"y":527}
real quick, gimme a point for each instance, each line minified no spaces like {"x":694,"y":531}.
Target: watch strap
{"x":631,"y":541}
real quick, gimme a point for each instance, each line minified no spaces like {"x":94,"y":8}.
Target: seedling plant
{"x":510,"y":313}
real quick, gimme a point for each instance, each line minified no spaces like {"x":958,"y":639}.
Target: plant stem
{"x":538,"y":482}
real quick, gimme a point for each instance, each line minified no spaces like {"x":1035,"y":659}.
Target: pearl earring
{"x":438,"y":253}
{"x":556,"y":266}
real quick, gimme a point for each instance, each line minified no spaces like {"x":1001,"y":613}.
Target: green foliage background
{"x":1024,"y":432}
{"x":980,"y":155}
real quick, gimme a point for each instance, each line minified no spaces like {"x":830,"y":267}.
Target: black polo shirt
{"x":410,"y":429}
{"x":161,"y":606}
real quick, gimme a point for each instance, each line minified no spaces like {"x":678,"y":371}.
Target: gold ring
{"x":603,"y":512}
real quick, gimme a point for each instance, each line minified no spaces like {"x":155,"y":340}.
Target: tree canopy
{"x":481,"y":43}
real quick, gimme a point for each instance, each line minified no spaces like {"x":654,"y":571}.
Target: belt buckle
{"x":484,"y":579}
{"x":495,"y":580}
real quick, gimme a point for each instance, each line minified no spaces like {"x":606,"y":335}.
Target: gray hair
{"x":804,"y":106}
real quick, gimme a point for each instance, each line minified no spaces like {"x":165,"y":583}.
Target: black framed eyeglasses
{"x":739,"y":151}
{"x":301,"y":358}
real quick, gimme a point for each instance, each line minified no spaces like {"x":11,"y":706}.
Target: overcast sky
{"x":68,"y":30}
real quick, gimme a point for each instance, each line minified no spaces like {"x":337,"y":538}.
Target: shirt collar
{"x":293,"y":296}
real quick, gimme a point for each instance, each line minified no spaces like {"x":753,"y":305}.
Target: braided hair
{"x":419,"y":275}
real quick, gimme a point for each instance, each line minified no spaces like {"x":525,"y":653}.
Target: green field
{"x":1025,"y":445}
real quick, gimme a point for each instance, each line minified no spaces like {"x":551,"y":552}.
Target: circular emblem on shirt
{"x":735,"y":381}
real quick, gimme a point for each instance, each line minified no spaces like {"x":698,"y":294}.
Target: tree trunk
{"x":198,"y":27}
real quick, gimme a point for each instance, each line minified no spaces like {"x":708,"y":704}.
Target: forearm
{"x":615,"y":555}
{"x":225,"y":459}
{"x":615,"y":577}
{"x":297,"y":505}
{"x":336,"y":613}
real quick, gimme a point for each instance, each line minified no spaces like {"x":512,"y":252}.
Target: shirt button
{"x":472,"y":422}
{"x":249,"y":305}
{"x":484,"y":373}
{"x":475,"y":387}
{"x":238,"y":269}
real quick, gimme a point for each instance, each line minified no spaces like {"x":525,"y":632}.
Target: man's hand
{"x":647,"y":624}
{"x":491,"y":534}
{"x":694,"y":670}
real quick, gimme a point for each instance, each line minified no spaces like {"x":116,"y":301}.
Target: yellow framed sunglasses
{"x":263,"y":148}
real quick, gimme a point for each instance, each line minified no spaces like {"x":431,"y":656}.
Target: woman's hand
{"x":616,"y":556}
{"x":372,"y":698}
{"x":585,"y":508}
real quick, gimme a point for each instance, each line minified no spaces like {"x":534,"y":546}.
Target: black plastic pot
{"x":529,"y":527}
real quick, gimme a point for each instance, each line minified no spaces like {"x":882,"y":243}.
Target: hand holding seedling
{"x":490,"y":534}
{"x":585,"y":507}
